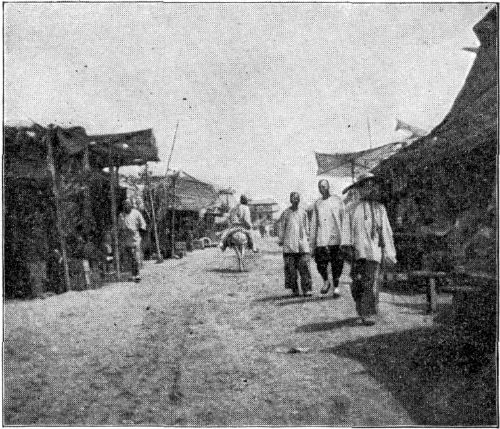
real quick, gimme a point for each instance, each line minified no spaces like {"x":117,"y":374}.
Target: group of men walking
{"x":358,"y":233}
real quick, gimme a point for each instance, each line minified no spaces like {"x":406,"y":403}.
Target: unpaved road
{"x":198,"y":344}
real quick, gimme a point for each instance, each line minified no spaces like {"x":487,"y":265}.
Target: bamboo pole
{"x":57,"y":195}
{"x":172,"y":149}
{"x":369,"y":131}
{"x":172,"y":221}
{"x":172,"y":232}
{"x":159,"y":257}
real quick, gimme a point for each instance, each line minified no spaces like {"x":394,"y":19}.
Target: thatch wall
{"x":449,"y":176}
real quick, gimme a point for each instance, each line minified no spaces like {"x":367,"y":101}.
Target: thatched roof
{"x":25,"y":150}
{"x":191,"y":194}
{"x":458,"y":157}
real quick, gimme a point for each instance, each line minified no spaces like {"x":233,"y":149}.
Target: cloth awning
{"x":352,"y":164}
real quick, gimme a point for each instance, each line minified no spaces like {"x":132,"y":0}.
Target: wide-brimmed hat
{"x":361,"y":179}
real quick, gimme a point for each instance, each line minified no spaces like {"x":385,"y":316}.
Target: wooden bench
{"x":431,"y":292}
{"x":431,"y":276}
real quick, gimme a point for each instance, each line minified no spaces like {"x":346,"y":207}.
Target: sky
{"x":256,"y":88}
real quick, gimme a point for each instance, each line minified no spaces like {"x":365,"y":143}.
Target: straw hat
{"x":364,"y":177}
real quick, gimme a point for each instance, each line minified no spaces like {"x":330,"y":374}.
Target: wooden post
{"x":431,"y":290}
{"x":57,"y":195}
{"x":114,"y":173}
{"x":159,"y":257}
{"x":432,"y":297}
{"x":172,"y":226}
{"x":87,"y":204}
{"x":87,"y":212}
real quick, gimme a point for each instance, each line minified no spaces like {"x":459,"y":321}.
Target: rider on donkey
{"x":239,"y":220}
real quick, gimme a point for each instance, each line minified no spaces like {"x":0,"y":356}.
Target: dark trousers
{"x":130,"y":253}
{"x":297,"y":262}
{"x":329,"y":254}
{"x":364,"y":287}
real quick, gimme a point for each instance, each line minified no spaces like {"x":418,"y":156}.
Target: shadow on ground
{"x":303,"y":300}
{"x":274,"y":298}
{"x":227,"y":270}
{"x":328,"y":326}
{"x":439,"y":378}
{"x":404,"y":289}
{"x":421,"y":307}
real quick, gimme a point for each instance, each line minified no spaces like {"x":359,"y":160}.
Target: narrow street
{"x":196,"y":343}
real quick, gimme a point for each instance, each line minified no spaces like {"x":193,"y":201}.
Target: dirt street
{"x":197,"y":343}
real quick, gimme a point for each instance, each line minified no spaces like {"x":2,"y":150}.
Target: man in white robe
{"x":367,"y":238}
{"x":326,"y":232}
{"x":130,"y":224}
{"x":293,"y":236}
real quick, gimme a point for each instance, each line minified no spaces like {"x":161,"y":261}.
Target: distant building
{"x":183,"y":203}
{"x":262,"y":210}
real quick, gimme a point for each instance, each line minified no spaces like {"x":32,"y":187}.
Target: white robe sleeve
{"x":281,"y":229}
{"x":313,"y":230}
{"x":390,"y":250}
{"x":342,"y":214}
{"x":246,"y":216}
{"x":306,"y":224}
{"x":346,"y":239}
{"x":142,"y":222}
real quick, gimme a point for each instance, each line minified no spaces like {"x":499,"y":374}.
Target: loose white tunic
{"x":129,"y":225}
{"x":240,"y":216}
{"x":326,"y":224}
{"x":366,"y":228}
{"x":293,"y":228}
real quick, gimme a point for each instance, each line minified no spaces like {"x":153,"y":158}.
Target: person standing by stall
{"x":130,"y":223}
{"x":367,"y":242}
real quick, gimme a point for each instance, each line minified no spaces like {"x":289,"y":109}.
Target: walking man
{"x":326,"y":231}
{"x":368,"y":242}
{"x":293,"y":237}
{"x":130,"y":223}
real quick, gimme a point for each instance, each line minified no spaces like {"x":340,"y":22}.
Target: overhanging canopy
{"x":134,"y":148}
{"x":352,"y":164}
{"x":25,"y":150}
{"x":464,"y":144}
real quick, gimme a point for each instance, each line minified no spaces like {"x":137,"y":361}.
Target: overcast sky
{"x":264,"y":84}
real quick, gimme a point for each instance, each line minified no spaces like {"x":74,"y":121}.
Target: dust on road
{"x":197,"y":343}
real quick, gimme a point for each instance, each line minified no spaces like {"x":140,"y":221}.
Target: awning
{"x":134,"y":148}
{"x":25,"y":150}
{"x":352,"y":164}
